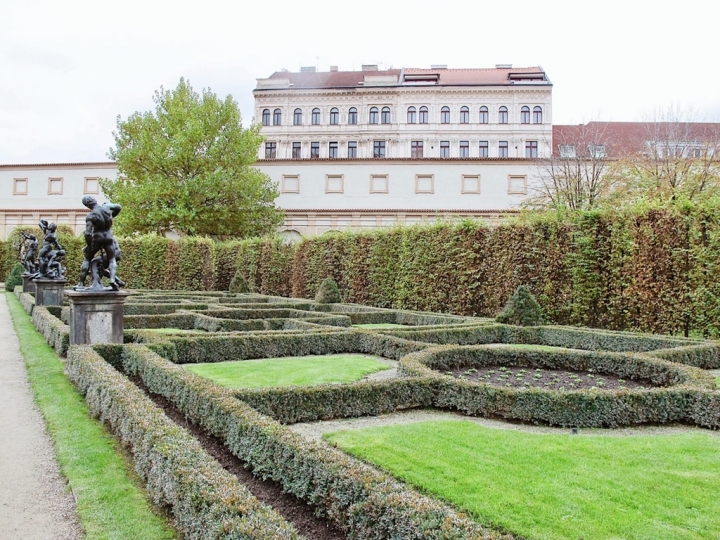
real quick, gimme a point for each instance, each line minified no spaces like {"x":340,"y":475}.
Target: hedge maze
{"x":166,"y":329}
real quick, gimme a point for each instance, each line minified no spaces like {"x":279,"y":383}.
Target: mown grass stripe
{"x":110,"y":503}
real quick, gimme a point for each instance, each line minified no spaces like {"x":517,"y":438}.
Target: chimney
{"x":503,"y":66}
{"x":369,"y":67}
{"x":307,"y":69}
{"x":333,"y":68}
{"x":438,"y":66}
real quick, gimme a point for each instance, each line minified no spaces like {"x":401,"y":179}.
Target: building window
{"x":297,"y":117}
{"x":334,"y":183}
{"x":352,"y":116}
{"x":55,"y":186}
{"x":379,"y":183}
{"x":424,"y":183}
{"x":464,"y":148}
{"x":470,"y":183}
{"x":352,"y":149}
{"x":503,"y":149}
{"x":423,"y":115}
{"x":92,"y":186}
{"x":537,"y":115}
{"x":290,"y":183}
{"x":416,"y":149}
{"x":517,"y":184}
{"x":444,"y":148}
{"x":531,"y":148}
{"x":525,"y":115}
{"x":411,"y":115}
{"x":315,"y":150}
{"x":567,"y":150}
{"x":277,"y":117}
{"x":503,"y":115}
{"x":464,"y":115}
{"x":379,"y":149}
{"x":445,"y":115}
{"x":385,"y":115}
{"x":484,"y":116}
{"x":374,"y":115}
{"x":20,"y":186}
{"x":333,"y":150}
{"x":334,"y":116}
{"x":484,"y":149}
{"x":266,"y":117}
{"x":297,"y":150}
{"x":270,"y":150}
{"x":315,"y":117}
{"x":597,"y":151}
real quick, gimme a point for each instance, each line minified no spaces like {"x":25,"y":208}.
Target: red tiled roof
{"x":452,"y":77}
{"x":626,"y":138}
{"x":330,"y":79}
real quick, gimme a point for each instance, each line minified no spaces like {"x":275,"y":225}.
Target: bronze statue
{"x":101,"y":249}
{"x":29,"y":257}
{"x":47,"y":253}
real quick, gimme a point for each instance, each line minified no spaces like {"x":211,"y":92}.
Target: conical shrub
{"x":238,"y":284}
{"x":14,"y":278}
{"x":522,"y":309}
{"x":328,"y":293}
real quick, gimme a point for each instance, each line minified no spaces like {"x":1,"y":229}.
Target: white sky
{"x":69,"y":68}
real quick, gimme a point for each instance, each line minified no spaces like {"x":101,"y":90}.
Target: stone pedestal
{"x":28,"y":285}
{"x":49,"y":292}
{"x":96,"y":316}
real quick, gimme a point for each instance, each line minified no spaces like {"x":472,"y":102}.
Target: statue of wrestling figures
{"x":101,"y":250}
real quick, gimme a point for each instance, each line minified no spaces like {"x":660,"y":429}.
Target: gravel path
{"x":35,"y":502}
{"x":315,"y":430}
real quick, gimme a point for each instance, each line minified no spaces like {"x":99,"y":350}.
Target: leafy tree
{"x":187,"y":167}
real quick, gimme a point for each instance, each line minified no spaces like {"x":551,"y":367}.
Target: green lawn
{"x":301,"y":371}
{"x":557,"y":486}
{"x":379,"y":325}
{"x":110,"y":502}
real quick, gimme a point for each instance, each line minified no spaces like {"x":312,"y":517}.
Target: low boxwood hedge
{"x":56,"y":332}
{"x":159,"y":308}
{"x":586,"y":408}
{"x":206,"y":501}
{"x":365,"y":502}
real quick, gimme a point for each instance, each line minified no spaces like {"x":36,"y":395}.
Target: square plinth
{"x":28,"y":284}
{"x":49,"y":292}
{"x":96,"y":316}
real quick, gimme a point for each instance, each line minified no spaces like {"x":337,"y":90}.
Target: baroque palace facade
{"x":367,"y":148}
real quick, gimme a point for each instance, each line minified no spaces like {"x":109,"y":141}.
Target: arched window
{"x":484,"y":117}
{"x":464,"y":115}
{"x":445,"y":115}
{"x":537,"y":115}
{"x":266,"y":117}
{"x":297,"y":117}
{"x":411,"y":115}
{"x":316,"y":117}
{"x":385,"y":115}
{"x":423,"y":115}
{"x":277,"y":117}
{"x":525,"y":115}
{"x":502,"y":115}
{"x":352,"y":116}
{"x":334,"y":116}
{"x":374,"y":115}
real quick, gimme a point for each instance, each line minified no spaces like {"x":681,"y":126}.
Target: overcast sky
{"x":70,"y":67}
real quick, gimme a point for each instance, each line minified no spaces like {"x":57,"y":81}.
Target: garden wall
{"x":650,"y":269}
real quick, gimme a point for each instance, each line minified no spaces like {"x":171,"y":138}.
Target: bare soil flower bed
{"x":549,"y":379}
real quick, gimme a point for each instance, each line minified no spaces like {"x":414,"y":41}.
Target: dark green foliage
{"x":14,"y":278}
{"x":522,"y":309}
{"x":328,"y":292}
{"x":206,"y":501}
{"x":239,"y":284}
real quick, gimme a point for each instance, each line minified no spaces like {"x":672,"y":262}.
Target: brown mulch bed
{"x":287,"y":505}
{"x":549,"y":379}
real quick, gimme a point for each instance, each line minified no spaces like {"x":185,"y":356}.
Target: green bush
{"x":328,"y":292}
{"x":14,"y":278}
{"x":238,"y":284}
{"x":206,"y":501}
{"x":522,"y":309}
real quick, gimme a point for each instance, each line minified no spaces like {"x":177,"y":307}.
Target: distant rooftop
{"x":370,"y":76}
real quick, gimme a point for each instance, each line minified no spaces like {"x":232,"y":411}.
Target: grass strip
{"x":289,"y":371}
{"x":110,"y":504}
{"x":557,"y":486}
